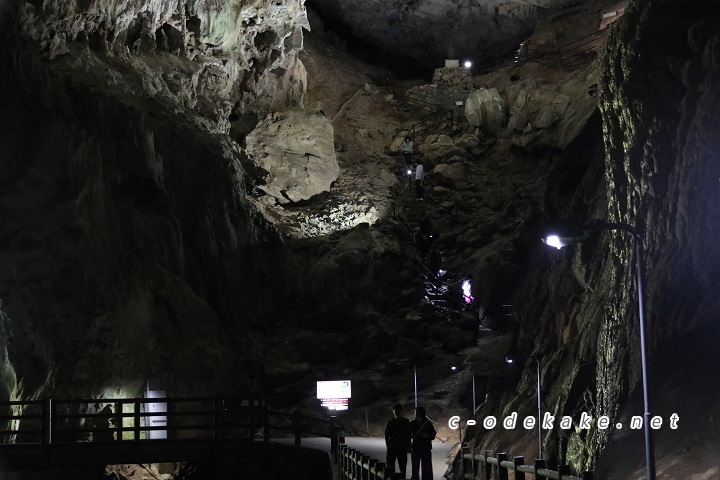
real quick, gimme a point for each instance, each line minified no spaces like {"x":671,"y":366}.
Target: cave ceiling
{"x":427,"y":31}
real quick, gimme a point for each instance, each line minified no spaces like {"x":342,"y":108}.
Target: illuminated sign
{"x":334,"y":395}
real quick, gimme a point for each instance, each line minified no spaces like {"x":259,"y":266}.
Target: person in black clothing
{"x":423,"y":434}
{"x":397,"y":440}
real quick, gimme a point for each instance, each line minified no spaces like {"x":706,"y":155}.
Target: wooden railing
{"x":356,"y":466}
{"x":479,"y":465}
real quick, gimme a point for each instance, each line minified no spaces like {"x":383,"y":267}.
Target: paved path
{"x":375,"y":448}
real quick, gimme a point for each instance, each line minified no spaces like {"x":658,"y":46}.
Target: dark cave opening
{"x":402,"y":67}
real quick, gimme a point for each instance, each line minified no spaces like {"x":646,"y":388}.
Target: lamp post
{"x":539,"y":408}
{"x":567,"y":234}
{"x":472,"y":369}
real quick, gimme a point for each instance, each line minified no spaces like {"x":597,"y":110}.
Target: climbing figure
{"x":406,"y":148}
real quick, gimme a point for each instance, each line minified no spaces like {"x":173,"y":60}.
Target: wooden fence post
{"x":539,"y":463}
{"x":502,"y":473}
{"x":517,"y":461}
{"x":487,"y":468}
{"x":364,"y":470}
{"x":372,"y":469}
{"x":341,"y":454}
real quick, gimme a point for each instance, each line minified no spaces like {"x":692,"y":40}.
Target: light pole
{"x":539,"y":408}
{"x":472,"y":369}
{"x":567,"y":234}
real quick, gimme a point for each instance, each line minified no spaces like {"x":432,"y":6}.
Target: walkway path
{"x":374,"y":447}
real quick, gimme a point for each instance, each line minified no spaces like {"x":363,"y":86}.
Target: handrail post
{"x":365,"y":467}
{"x":46,"y":422}
{"x":539,"y":463}
{"x":372,"y":465}
{"x":487,"y":467}
{"x":334,"y":437}
{"x":502,"y":473}
{"x":342,"y":447}
{"x":118,"y":420}
{"x":517,"y":461}
{"x":136,"y":420}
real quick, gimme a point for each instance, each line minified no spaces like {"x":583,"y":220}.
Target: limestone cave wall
{"x":129,"y":251}
{"x":656,"y":169}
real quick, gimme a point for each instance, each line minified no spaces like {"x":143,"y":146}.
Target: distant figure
{"x":406,"y":148}
{"x":397,"y":440}
{"x":423,"y":434}
{"x":103,"y":425}
{"x":419,"y":176}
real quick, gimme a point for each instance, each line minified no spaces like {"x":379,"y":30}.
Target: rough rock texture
{"x":297,"y":150}
{"x":485,"y":109}
{"x":577,"y":309}
{"x":126,"y":232}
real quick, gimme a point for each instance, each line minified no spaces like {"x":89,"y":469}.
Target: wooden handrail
{"x":477,"y":465}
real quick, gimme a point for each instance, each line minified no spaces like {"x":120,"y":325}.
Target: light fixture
{"x":468,"y":64}
{"x":563,"y":234}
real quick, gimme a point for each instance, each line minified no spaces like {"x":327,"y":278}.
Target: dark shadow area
{"x":403,"y":68}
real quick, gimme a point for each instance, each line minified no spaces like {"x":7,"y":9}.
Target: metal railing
{"x":566,"y":57}
{"x":38,"y":424}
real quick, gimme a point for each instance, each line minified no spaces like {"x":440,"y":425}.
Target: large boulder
{"x":485,"y":109}
{"x":297,"y":151}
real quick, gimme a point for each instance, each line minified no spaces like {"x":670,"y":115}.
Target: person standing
{"x":397,"y":440}
{"x":406,"y":148}
{"x":423,"y":434}
{"x":419,"y":177}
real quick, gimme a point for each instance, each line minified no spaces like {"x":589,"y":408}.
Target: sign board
{"x":156,"y":415}
{"x":334,"y":395}
{"x":452,"y":63}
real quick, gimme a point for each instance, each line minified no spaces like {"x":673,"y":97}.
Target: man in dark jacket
{"x":423,"y":434}
{"x":397,"y":440}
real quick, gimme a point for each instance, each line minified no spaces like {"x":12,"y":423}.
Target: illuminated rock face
{"x":296,"y":149}
{"x":208,"y":56}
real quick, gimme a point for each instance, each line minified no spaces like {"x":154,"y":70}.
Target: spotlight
{"x":468,"y":64}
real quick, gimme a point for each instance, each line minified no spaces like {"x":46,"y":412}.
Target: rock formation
{"x":297,"y":151}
